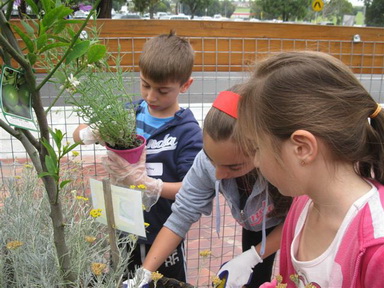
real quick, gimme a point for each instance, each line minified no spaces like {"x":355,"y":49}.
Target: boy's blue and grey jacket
{"x":174,"y":147}
{"x":196,"y":198}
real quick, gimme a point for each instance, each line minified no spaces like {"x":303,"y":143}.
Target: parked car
{"x":165,"y":17}
{"x":180,"y":17}
{"x":126,"y":16}
{"x":158,"y":15}
{"x":130,"y":16}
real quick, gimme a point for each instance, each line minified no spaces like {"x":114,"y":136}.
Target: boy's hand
{"x":238,"y":271}
{"x":90,"y":136}
{"x":125,"y":174}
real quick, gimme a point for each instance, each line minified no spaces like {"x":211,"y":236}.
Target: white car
{"x":179,"y":17}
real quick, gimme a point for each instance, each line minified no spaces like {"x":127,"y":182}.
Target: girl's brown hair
{"x":221,"y":127}
{"x":318,"y":93}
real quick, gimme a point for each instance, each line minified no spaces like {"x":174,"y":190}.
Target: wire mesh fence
{"x":221,"y":63}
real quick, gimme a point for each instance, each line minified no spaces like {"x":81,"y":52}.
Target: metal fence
{"x":209,"y":79}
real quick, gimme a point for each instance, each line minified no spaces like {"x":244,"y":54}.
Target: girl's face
{"x":279,"y":173}
{"x":227,"y":158}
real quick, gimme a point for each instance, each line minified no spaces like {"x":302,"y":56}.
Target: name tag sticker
{"x":154,"y":169}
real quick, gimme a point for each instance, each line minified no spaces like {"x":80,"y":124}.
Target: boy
{"x":173,"y":139}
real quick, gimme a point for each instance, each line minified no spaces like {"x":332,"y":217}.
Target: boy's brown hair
{"x":167,"y":58}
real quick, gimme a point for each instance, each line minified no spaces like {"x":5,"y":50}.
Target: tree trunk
{"x":104,"y":9}
{"x":61,"y":247}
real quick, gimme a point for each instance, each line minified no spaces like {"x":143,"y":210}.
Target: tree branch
{"x":30,"y":138}
{"x":25,"y":140}
{"x":7,"y":32}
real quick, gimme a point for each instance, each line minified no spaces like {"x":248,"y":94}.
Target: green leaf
{"x":75,"y":21}
{"x":53,"y":45}
{"x":28,"y":42}
{"x":33,"y":6}
{"x":28,"y":28}
{"x":51,"y":165}
{"x":41,"y":41}
{"x":56,"y":14}
{"x":72,"y":33}
{"x":58,"y":38}
{"x":51,"y":151}
{"x":32,"y":58}
{"x":42,"y":174}
{"x":63,"y":183}
{"x":77,"y":51}
{"x":50,"y":17}
{"x":57,"y":137}
{"x":68,"y":149}
{"x":64,"y":12}
{"x":46,"y":5}
{"x":42,"y":28}
{"x":59,"y":26}
{"x":96,"y":52}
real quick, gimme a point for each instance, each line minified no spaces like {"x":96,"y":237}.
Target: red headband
{"x":227,"y":102}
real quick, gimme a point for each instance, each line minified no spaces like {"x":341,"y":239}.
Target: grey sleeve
{"x":195,"y":196}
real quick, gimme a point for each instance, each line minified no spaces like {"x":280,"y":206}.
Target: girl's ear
{"x":186,"y":85}
{"x":305,"y":146}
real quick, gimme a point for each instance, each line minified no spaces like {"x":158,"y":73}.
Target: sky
{"x":356,"y":2}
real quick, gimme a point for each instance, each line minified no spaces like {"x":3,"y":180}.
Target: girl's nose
{"x":221,"y":173}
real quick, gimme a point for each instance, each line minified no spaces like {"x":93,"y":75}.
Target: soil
{"x":165,"y":282}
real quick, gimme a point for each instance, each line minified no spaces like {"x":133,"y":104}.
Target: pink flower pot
{"x":131,"y":155}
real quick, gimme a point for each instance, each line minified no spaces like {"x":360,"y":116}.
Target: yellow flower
{"x":205,"y":253}
{"x":82,"y":198}
{"x":156,"y":276}
{"x":216,"y":281}
{"x":97,"y":268}
{"x":142,"y":186}
{"x":28,"y":166}
{"x":17,"y":177}
{"x":90,"y":239}
{"x":75,"y":153}
{"x":279,"y":278}
{"x":12,"y":245}
{"x":95,"y":213}
{"x":132,"y":186}
{"x":295,"y":279}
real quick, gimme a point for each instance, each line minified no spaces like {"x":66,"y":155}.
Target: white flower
{"x":73,"y":81}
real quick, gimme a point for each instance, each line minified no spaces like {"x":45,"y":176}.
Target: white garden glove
{"x":238,"y":271}
{"x":90,"y":136}
{"x":141,"y":279}
{"x":123,"y":173}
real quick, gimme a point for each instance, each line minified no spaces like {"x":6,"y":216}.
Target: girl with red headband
{"x":221,"y":167}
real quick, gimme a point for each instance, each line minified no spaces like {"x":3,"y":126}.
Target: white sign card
{"x":16,"y":100}
{"x":127,"y":207}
